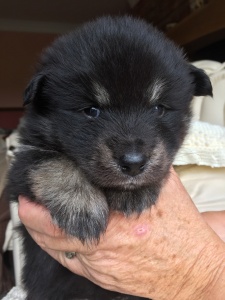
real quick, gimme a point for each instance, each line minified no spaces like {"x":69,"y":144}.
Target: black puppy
{"x":106,"y":112}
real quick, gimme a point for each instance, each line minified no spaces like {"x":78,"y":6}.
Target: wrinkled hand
{"x":168,"y":252}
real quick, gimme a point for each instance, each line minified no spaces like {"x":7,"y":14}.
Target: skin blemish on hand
{"x":141,"y":229}
{"x":159,"y":213}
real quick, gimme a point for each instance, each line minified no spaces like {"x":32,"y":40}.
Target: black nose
{"x":132,"y":163}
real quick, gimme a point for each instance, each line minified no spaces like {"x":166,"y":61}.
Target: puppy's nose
{"x":132,"y":163}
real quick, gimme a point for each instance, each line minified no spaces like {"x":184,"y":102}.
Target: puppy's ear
{"x":201,"y":82}
{"x":33,"y":89}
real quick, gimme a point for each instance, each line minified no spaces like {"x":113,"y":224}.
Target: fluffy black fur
{"x":106,"y":112}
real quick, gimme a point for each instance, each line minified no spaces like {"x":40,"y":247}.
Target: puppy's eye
{"x":92,"y":112}
{"x":159,"y":110}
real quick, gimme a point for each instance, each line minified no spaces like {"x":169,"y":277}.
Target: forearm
{"x":216,"y":288}
{"x":197,"y":274}
{"x":205,"y":280}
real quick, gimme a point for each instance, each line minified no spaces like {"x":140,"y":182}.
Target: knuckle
{"x":41,"y":240}
{"x":21,"y":213}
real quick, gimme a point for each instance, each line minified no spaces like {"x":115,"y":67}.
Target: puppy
{"x":106,"y":112}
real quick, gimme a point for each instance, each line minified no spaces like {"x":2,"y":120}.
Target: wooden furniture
{"x":201,"y":28}
{"x":192,"y":30}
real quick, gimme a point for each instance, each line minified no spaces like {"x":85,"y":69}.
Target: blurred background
{"x":28,"y":26}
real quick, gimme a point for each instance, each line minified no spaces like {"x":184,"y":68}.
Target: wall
{"x":19,"y":52}
{"x":9,"y":118}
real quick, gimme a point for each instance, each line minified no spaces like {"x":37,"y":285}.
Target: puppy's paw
{"x":75,"y":204}
{"x":83,"y":215}
{"x":86,"y":224}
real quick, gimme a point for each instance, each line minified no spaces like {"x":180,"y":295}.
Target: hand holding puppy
{"x":168,"y":252}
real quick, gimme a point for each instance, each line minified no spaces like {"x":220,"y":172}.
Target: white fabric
{"x":204,"y":145}
{"x":8,"y":243}
{"x":205,"y":185}
{"x":16,"y":293}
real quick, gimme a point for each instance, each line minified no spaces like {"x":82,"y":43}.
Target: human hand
{"x":168,"y":252}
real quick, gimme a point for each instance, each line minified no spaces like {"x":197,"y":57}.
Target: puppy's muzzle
{"x":132,"y":163}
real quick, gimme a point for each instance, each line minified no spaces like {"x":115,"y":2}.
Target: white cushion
{"x":205,"y":185}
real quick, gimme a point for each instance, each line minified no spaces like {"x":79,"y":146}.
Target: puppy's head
{"x":113,"y":97}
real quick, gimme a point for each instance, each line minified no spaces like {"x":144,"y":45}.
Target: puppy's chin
{"x":129,"y":183}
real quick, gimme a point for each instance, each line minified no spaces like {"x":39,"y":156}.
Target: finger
{"x":37,"y":217}
{"x":80,"y":266}
{"x":65,"y":243}
{"x":73,"y":264}
{"x":47,"y":235}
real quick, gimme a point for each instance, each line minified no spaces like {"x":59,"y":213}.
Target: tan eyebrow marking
{"x":155,"y":90}
{"x":101,"y":94}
